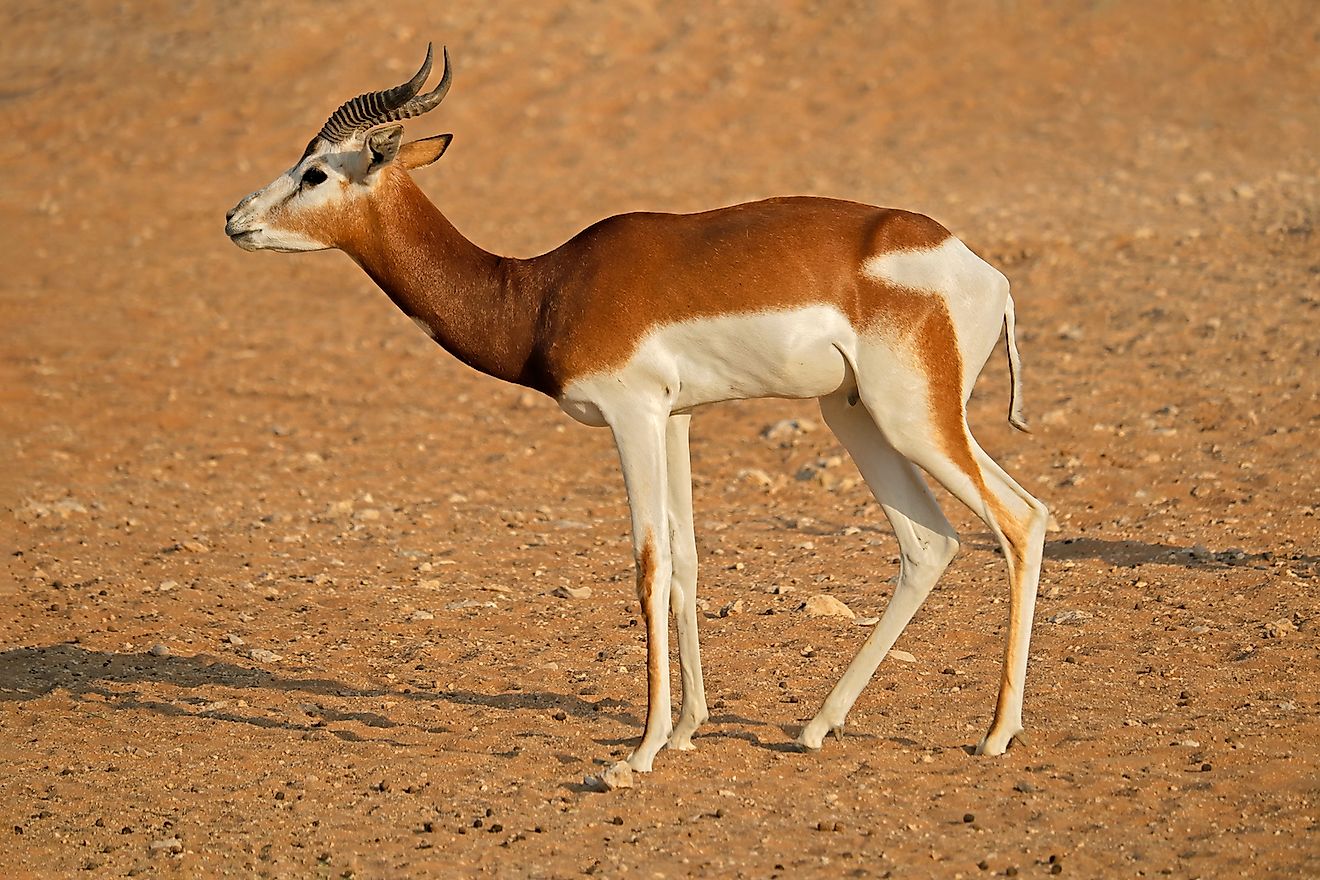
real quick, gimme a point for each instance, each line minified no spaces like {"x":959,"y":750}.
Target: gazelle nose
{"x":229,"y":215}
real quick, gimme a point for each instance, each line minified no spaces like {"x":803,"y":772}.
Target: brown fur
{"x":655,"y":663}
{"x":584,"y":307}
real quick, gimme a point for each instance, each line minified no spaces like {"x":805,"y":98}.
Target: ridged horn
{"x":373,"y":108}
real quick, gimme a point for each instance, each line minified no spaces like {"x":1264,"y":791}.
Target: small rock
{"x":571,"y":592}
{"x":1277,"y":629}
{"x":617,"y":775}
{"x":1071,"y":616}
{"x":231,"y":639}
{"x":261,"y":655}
{"x":827,"y":606}
{"x":756,"y":477}
{"x":1052,"y":524}
{"x":169,"y":844}
{"x":867,"y":621}
{"x":902,"y":656}
{"x":1025,"y":787}
{"x":159,"y":650}
{"x":419,"y":614}
{"x":787,"y":428}
{"x":194,"y":547}
{"x":463,"y":604}
{"x":734,"y":607}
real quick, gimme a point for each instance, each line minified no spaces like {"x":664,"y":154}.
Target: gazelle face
{"x":303,"y":208}
{"x":322,"y":199}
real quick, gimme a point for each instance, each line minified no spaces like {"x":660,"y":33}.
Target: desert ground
{"x":285,"y":586}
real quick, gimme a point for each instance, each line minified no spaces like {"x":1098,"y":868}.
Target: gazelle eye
{"x":313,"y":176}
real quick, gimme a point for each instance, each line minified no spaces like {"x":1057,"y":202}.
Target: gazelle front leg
{"x":640,"y":438}
{"x":683,"y":587}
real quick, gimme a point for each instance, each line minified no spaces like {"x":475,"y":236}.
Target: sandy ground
{"x":343,"y":545}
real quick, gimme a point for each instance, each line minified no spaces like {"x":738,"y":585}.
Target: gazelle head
{"x":324,"y":196}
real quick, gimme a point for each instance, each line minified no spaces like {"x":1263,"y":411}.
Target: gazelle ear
{"x":382,"y":145}
{"x":419,"y":154}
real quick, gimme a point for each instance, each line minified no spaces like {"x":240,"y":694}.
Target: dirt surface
{"x":278,"y":596}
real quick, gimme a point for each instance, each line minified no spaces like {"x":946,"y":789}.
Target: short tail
{"x":1015,"y":417}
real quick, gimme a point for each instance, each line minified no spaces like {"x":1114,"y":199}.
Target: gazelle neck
{"x":465,"y":298}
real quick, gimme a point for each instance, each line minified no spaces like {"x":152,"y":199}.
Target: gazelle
{"x":881,"y":314}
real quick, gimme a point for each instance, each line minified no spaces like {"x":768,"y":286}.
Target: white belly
{"x":792,"y":353}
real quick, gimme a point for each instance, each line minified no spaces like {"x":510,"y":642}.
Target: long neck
{"x":464,"y":297}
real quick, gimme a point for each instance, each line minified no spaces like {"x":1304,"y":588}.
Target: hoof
{"x":813,"y":735}
{"x":995,"y":743}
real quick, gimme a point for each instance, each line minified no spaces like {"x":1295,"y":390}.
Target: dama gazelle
{"x":881,"y":314}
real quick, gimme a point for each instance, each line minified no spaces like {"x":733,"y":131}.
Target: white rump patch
{"x":933,"y":269}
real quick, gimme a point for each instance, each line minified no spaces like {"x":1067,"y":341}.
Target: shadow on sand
{"x":33,"y":672}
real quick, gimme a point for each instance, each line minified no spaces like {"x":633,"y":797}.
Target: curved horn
{"x":373,"y":108}
{"x":422,"y":103}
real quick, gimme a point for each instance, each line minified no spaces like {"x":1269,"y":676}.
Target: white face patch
{"x":261,"y":221}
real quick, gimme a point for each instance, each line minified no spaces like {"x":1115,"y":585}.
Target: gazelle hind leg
{"x":927,"y":543}
{"x":942,"y":445}
{"x":1024,"y":543}
{"x":683,"y":590}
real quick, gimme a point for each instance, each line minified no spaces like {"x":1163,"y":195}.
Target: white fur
{"x":793,"y":353}
{"x":974,"y":292}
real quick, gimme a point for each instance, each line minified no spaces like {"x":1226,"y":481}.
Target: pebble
{"x":230,"y":638}
{"x":571,"y":592}
{"x":421,"y":615}
{"x":1025,"y":787}
{"x":756,"y":477}
{"x":261,"y":655}
{"x":827,"y":606}
{"x":734,"y":607}
{"x":617,"y":775}
{"x":159,"y":650}
{"x":169,"y":844}
{"x":1277,"y":629}
{"x":1071,"y":616}
{"x":786,"y":428}
{"x":902,"y":656}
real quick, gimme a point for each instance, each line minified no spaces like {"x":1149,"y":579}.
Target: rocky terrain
{"x":289,"y":592}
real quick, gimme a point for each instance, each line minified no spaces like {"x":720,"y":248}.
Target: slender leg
{"x":1024,"y":543}
{"x":927,"y":543}
{"x":640,"y":437}
{"x":683,"y":590}
{"x":946,"y":450}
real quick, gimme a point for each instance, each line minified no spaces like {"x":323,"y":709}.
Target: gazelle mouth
{"x":243,"y":237}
